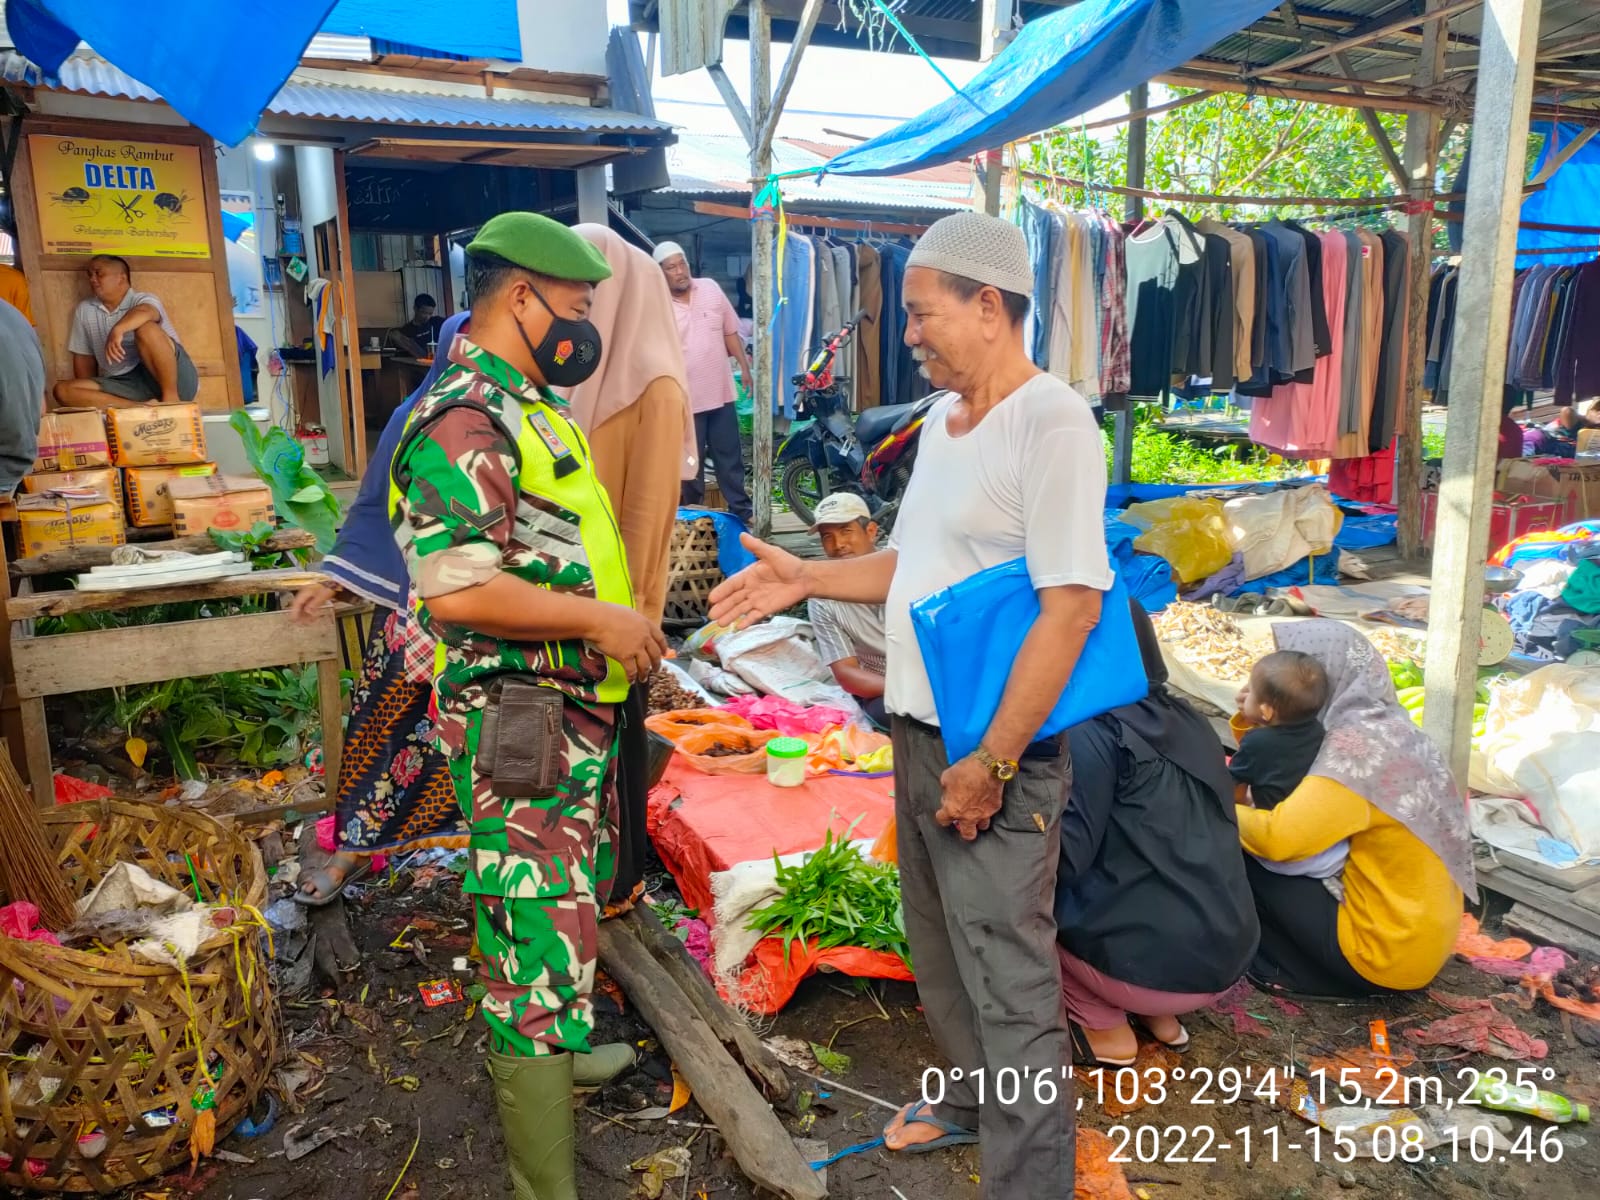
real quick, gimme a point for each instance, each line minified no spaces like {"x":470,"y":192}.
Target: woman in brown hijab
{"x":635,"y":412}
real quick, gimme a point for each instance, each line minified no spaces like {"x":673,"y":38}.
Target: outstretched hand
{"x":775,"y":582}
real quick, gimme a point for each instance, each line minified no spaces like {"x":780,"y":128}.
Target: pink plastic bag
{"x":787,"y":717}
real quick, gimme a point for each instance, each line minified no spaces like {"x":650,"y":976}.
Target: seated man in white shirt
{"x":850,"y":637}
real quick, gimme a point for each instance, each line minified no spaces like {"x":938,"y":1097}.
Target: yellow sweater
{"x":1401,"y":910}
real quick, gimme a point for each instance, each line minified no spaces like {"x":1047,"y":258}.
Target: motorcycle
{"x":834,"y":451}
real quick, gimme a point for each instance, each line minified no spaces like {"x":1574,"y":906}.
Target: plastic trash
{"x":1529,"y":1101}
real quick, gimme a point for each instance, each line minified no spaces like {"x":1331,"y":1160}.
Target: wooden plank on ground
{"x":1573,"y":879}
{"x":252,"y":583}
{"x":81,"y":662}
{"x":81,"y":558}
{"x":1551,"y":902}
{"x":1530,"y":922}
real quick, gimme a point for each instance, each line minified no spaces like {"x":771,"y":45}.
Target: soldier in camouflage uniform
{"x":520,"y":577}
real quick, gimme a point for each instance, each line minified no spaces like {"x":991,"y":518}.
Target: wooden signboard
{"x":99,"y":195}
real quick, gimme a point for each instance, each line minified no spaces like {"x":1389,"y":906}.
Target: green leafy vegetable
{"x":831,"y":1061}
{"x":836,"y":898}
{"x":298,"y":493}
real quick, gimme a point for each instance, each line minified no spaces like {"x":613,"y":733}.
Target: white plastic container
{"x":786,"y":761}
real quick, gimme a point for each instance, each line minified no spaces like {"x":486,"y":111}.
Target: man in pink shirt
{"x":709,"y":331}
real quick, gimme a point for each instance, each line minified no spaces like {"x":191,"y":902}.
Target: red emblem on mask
{"x":563,"y":350}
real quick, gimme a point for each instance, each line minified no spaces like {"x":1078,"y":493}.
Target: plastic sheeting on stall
{"x":217,"y":64}
{"x":1057,"y":67}
{"x":1567,"y":198}
{"x":466,"y":29}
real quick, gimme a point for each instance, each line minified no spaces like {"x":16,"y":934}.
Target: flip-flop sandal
{"x":1181,"y":1046}
{"x":355,"y":875}
{"x":954,"y":1135}
{"x":1083,"y":1054}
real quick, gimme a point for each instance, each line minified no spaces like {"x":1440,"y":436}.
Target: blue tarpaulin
{"x":1566,"y":199}
{"x":1058,"y":67}
{"x":217,"y":64}
{"x":460,"y":29}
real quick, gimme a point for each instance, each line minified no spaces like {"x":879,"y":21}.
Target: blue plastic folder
{"x":972,"y":632}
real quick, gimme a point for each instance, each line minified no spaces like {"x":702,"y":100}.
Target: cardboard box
{"x":156,"y":435}
{"x":53,"y":521}
{"x":72,"y":440}
{"x":1588,"y":441}
{"x":107,"y":481}
{"x":1512,"y":516}
{"x":1554,"y":479}
{"x":227,"y":502}
{"x":148,"y":501}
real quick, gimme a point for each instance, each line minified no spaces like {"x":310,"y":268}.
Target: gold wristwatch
{"x":1004,"y":770}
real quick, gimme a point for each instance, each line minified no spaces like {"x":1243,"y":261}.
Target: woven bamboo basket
{"x":692,"y":571}
{"x":99,"y":1049}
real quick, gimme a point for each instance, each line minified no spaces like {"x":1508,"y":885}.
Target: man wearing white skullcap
{"x":709,"y":331}
{"x":1010,"y":467}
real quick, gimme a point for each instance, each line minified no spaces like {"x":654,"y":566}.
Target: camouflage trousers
{"x":539,"y":871}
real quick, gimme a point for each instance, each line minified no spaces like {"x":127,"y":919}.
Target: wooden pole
{"x":791,"y":67}
{"x":763,"y":242}
{"x":1133,"y":210}
{"x":1483,"y":314}
{"x":993,"y":167}
{"x":760,"y":1145}
{"x":1423,"y":135}
{"x":763,"y":1067}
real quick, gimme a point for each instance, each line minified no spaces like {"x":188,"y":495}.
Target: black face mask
{"x":569,"y":353}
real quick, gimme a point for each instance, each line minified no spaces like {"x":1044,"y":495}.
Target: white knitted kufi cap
{"x":667,"y":249}
{"x":976,"y":246}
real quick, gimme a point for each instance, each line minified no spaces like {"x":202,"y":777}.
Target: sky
{"x":836,"y":89}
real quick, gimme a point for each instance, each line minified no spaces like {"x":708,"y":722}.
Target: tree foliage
{"x":1230,"y":144}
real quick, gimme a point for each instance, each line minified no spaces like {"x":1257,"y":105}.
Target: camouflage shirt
{"x":462,"y":511}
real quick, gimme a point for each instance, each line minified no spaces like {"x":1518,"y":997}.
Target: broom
{"x":28,"y":868}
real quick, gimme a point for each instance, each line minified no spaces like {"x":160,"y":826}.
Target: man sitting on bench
{"x":124,"y":349}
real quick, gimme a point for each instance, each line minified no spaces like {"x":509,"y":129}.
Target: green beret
{"x":544,"y":246}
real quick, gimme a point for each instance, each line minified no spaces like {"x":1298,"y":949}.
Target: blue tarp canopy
{"x":459,"y":29}
{"x":219,"y":63}
{"x":216,"y":63}
{"x":1567,"y":199}
{"x":1059,"y":67}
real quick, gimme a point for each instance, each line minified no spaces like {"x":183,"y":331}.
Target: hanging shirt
{"x":1242,"y":283}
{"x":1152,"y":263}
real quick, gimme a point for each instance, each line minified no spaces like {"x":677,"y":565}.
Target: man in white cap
{"x":1010,"y":466}
{"x":850,"y":637}
{"x":709,"y":331}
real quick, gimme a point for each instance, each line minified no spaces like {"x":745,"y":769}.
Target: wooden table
{"x":59,"y":664}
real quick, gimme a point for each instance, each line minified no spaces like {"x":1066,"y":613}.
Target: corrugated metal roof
{"x":94,"y":76}
{"x":713,"y":164}
{"x":340,"y":102}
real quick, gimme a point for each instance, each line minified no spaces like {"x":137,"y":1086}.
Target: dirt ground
{"x":384,"y":1073}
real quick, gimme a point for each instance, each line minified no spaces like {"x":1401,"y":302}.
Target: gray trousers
{"x":979,"y":917}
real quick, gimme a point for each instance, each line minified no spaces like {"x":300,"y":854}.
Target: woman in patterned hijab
{"x":1379,"y":782}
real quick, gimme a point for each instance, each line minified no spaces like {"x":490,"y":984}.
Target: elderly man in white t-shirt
{"x":1010,"y":466}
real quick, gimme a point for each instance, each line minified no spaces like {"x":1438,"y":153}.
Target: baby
{"x":1282,"y":702}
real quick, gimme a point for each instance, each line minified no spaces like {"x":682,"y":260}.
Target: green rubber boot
{"x":602,"y":1064}
{"x":535,"y":1099}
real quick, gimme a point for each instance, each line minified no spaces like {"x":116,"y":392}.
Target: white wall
{"x":318,"y":203}
{"x":564,"y":35}
{"x":238,"y":170}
